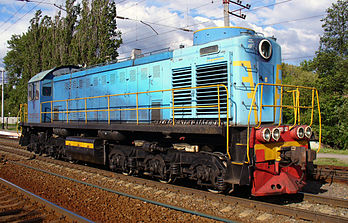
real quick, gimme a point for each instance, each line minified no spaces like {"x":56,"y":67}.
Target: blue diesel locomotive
{"x":211,"y":113}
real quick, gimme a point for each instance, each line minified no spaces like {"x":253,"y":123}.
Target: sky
{"x":295,"y":23}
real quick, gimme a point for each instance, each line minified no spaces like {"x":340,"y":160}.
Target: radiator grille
{"x":211,"y":74}
{"x":182,"y":78}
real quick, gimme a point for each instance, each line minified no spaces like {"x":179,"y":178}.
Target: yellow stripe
{"x":214,"y":59}
{"x":277,"y":91}
{"x":249,"y":79}
{"x":80,"y":144}
{"x":272,"y":150}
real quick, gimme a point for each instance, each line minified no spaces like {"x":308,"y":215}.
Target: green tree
{"x":84,"y":36}
{"x":331,"y":67}
{"x":104,"y":34}
{"x":335,"y":27}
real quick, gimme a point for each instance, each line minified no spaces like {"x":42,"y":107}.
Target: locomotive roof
{"x":40,"y":76}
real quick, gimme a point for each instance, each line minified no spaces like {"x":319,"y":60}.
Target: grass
{"x":330,"y":161}
{"x":334,"y":151}
{"x":11,"y":127}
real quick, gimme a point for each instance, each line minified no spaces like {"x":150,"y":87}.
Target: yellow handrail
{"x":137,"y":106}
{"x":296,"y":106}
{"x":22,"y":115}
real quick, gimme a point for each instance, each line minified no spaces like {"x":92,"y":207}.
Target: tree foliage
{"x":329,"y":70}
{"x":86,"y":35}
{"x":335,"y":27}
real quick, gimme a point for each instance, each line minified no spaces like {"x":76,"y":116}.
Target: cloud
{"x":289,"y":21}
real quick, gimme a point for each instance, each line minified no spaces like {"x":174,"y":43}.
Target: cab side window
{"x":47,"y":89}
{"x":30,"y":92}
{"x":37,"y":90}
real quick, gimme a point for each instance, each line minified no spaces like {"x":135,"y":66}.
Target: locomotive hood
{"x":217,"y":33}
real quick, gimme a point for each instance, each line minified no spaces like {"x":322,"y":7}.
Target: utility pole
{"x":2,"y":99}
{"x":226,"y":14}
{"x":227,"y":11}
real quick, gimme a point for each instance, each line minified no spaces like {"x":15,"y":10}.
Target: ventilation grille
{"x":182,"y":78}
{"x":211,"y":74}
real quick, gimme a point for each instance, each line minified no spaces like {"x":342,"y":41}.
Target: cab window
{"x":47,"y":89}
{"x":30,"y":92}
{"x":37,"y":90}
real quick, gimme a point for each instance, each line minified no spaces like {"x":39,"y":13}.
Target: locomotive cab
{"x":40,"y":90}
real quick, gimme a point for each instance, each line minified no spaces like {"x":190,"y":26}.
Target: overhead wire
{"x":210,"y":20}
{"x":166,"y":18}
{"x":135,"y":4}
{"x":294,"y":20}
{"x":12,"y":15}
{"x":295,"y":58}
{"x":23,"y":15}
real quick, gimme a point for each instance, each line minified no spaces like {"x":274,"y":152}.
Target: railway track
{"x":326,"y":173}
{"x":227,"y":201}
{"x":19,"y":205}
{"x":330,"y":173}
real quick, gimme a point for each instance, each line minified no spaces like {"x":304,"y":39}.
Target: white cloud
{"x":297,"y":38}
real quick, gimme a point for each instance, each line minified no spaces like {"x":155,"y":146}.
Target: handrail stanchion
{"x":109,"y":110}
{"x":227,"y":122}
{"x":298,"y":106}
{"x":40,"y":113}
{"x":137,"y":99}
{"x":51,"y":111}
{"x":173,"y":106}
{"x":281,"y":105}
{"x":67,"y":111}
{"x":319,"y":121}
{"x":86,"y":110}
{"x":218,"y":91}
{"x":312,"y":113}
{"x":248,"y":131}
{"x":260,"y":120}
{"x":294,"y":108}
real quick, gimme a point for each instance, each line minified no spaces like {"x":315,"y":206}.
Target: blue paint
{"x":210,"y":61}
{"x":213,"y":34}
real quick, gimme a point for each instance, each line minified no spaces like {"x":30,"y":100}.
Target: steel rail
{"x":69,"y":216}
{"x":336,"y":202}
{"x":258,"y":205}
{"x":127,"y":195}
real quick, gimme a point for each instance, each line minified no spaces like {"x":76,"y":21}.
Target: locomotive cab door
{"x":265,"y":73}
{"x":34,"y":102}
{"x":46,"y":95}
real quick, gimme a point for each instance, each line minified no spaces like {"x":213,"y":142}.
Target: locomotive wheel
{"x":214,"y":191}
{"x":215,"y":187}
{"x":118,"y":161}
{"x":157,"y":168}
{"x":127,"y":172}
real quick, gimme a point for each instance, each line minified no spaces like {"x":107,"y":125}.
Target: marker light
{"x":308,"y":132}
{"x":276,"y":134}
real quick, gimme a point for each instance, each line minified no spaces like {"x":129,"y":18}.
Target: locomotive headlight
{"x":276,"y":134}
{"x":300,"y":132}
{"x":308,"y":132}
{"x":266,"y":134}
{"x":265,"y":49}
{"x":263,"y":135}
